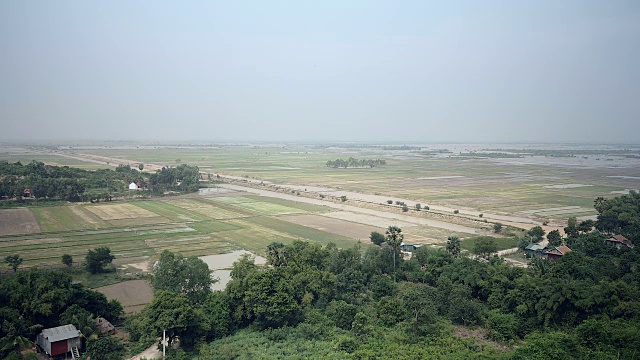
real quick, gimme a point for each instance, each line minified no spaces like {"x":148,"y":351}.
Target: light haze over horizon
{"x":403,"y":71}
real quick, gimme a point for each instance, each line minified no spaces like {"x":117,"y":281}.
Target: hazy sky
{"x":530,"y":71}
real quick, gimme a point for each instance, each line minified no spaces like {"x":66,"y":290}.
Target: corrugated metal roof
{"x":60,"y":333}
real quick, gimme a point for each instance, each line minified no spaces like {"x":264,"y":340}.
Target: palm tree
{"x":394,"y":239}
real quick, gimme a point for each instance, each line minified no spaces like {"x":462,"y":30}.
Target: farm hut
{"x":60,"y":340}
{"x":618,"y":241}
{"x":104,"y":326}
{"x":557,"y":253}
{"x":133,"y":186}
{"x":534,"y":250}
{"x":409,"y":247}
{"x":26,"y":193}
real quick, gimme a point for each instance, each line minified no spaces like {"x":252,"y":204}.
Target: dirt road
{"x":344,"y":207}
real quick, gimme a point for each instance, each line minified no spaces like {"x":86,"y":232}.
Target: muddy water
{"x":221,"y":264}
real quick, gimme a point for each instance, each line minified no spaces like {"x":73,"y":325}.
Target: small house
{"x":557,"y":253}
{"x":409,"y":247}
{"x":618,"y":241}
{"x":534,"y":250}
{"x":60,"y":340}
{"x":133,"y":186}
{"x":26,"y":193}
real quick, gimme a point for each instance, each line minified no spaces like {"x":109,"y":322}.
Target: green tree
{"x":453,"y":245}
{"x":497,"y":227}
{"x":269,"y":298}
{"x":554,"y":237}
{"x":586,"y":226}
{"x":67,"y":260}
{"x":394,"y":239}
{"x":13,"y":261}
{"x":190,"y":276}
{"x":484,"y":246}
{"x":343,"y":198}
{"x":276,"y":254}
{"x":342,"y":313}
{"x":405,"y":208}
{"x":389,"y":202}
{"x":536,"y":232}
{"x":80,"y":318}
{"x":105,"y":348}
{"x":218,"y":314}
{"x":377,"y":238}
{"x":418,"y":206}
{"x":502,"y":326}
{"x":175,"y":314}
{"x":98,"y":258}
{"x":571,"y":230}
{"x":140,"y":167}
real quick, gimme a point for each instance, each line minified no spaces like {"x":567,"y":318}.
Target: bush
{"x":456,"y":211}
{"x":377,"y":238}
{"x":405,"y":208}
{"x":389,"y":202}
{"x":502,"y":327}
{"x":346,"y":344}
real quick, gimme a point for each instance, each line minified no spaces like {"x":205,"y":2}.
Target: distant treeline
{"x":355,"y":163}
{"x":497,"y":155}
{"x":403,"y":147}
{"x":40,"y":181}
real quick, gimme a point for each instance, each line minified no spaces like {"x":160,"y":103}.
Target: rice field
{"x":139,"y":230}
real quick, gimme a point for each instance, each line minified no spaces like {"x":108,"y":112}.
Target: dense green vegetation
{"x":356,"y":163}
{"x":321,"y":301}
{"x":368,"y":302}
{"x":37,"y":299}
{"x":47,"y":182}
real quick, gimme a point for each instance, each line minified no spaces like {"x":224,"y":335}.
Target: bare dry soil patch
{"x":334,"y":226}
{"x":133,"y":295}
{"x":17,"y":221}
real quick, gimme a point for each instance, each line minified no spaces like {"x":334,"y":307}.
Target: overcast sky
{"x":538,"y":71}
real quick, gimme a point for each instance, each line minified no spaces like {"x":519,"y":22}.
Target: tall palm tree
{"x":394,"y":239}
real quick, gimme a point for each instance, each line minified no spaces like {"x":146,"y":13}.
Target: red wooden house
{"x":60,"y":340}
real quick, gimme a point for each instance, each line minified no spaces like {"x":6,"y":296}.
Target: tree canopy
{"x":189,"y":276}
{"x":98,"y":258}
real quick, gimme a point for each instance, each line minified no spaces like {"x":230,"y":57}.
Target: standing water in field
{"x":221,"y":265}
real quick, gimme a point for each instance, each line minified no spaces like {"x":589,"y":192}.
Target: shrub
{"x":456,"y":211}
{"x":502,"y":327}
{"x":389,"y":202}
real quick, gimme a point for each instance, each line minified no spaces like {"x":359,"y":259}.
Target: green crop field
{"x":141,"y":229}
{"x":264,"y":208}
